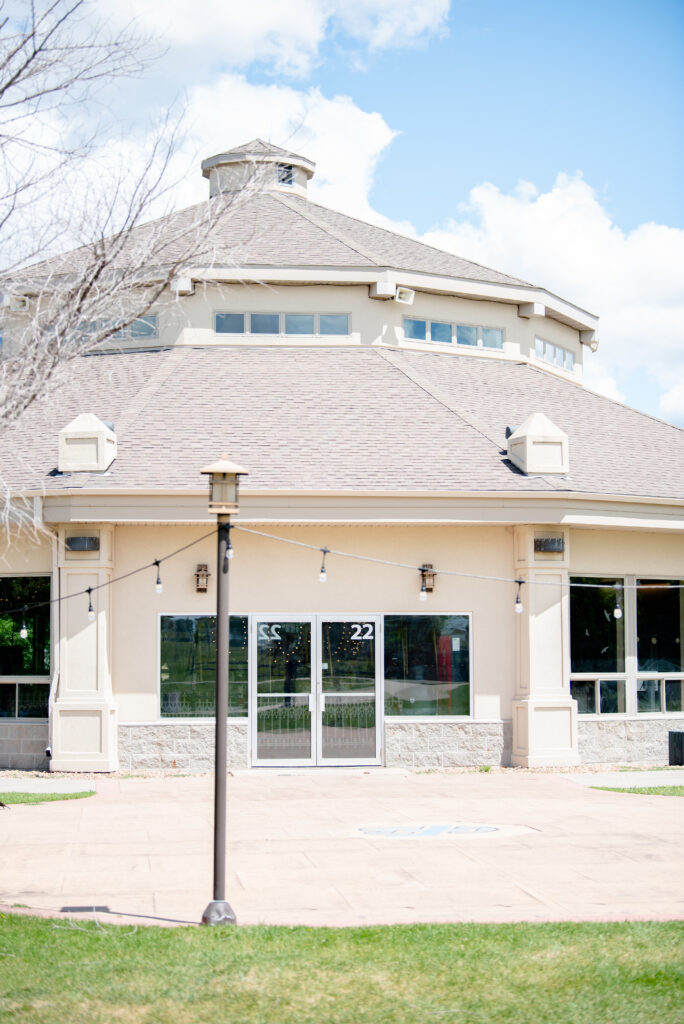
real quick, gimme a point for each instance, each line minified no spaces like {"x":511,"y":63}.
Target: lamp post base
{"x":219,"y":912}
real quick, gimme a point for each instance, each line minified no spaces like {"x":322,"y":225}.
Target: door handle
{"x":322,"y":699}
{"x":311,"y":703}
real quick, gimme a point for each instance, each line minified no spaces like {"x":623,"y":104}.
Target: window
{"x":554,"y":354}
{"x":285,"y":174}
{"x":27,"y":655}
{"x":615,"y":668}
{"x":660,"y":622}
{"x":333,"y":323}
{"x":597,"y":641}
{"x":314,"y":324}
{"x":230,"y":323}
{"x":439,"y":331}
{"x":415,"y":330}
{"x":141,"y":329}
{"x":264,"y":323}
{"x":299,"y":323}
{"x":187,"y":661}
{"x":444,"y":333}
{"x":427,"y":665}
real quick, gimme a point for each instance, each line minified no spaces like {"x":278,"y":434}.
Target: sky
{"x":546,"y":140}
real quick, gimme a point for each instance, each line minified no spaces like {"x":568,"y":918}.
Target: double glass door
{"x":315,"y":690}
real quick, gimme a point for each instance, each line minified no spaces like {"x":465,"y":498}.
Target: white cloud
{"x":286,"y":35}
{"x":565,"y":240}
{"x":231,"y":111}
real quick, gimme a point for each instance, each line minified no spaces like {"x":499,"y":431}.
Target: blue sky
{"x":515,"y":91}
{"x":542,"y":139}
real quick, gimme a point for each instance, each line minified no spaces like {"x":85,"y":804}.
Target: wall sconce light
{"x":427,"y":580}
{"x":202,"y":575}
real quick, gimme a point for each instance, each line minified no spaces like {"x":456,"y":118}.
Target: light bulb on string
{"x":158,"y":584}
{"x":518,"y":599}
{"x":23,"y":632}
{"x":323,"y":575}
{"x":617,"y":610}
{"x":229,"y":546}
{"x":91,"y":610}
{"x":422,"y":596}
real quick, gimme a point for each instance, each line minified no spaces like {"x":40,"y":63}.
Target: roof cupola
{"x":275,"y":169}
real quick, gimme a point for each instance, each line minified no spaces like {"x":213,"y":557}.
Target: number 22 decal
{"x":269,"y":631}
{"x":362,"y":630}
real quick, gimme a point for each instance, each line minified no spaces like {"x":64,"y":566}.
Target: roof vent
{"x":86,"y":445}
{"x":538,"y":447}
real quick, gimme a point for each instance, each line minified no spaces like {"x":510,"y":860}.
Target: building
{"x":418,"y":415}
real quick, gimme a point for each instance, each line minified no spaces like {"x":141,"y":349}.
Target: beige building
{"x":503,"y":549}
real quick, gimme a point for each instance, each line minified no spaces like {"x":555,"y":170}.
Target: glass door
{"x":348,"y":727}
{"x":283,"y":705}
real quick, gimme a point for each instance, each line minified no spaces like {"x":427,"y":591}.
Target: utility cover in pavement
{"x":423,"y":831}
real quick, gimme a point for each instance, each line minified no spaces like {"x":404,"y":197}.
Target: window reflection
{"x":427,"y":665}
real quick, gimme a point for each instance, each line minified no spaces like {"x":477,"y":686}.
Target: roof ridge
{"x":416,"y":241}
{"x":304,"y":212}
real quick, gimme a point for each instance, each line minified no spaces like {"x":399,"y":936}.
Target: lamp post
{"x":223,"y":500}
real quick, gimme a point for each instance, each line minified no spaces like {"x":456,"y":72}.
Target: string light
{"x":617,"y":611}
{"x":570,"y":585}
{"x":323,"y":574}
{"x":518,"y":600}
{"x":23,"y":632}
{"x":91,"y":610}
{"x":158,"y":585}
{"x":229,"y":546}
{"x":422,"y":596}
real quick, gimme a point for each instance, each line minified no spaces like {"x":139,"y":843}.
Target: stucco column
{"x":544,"y":714}
{"x":83,"y":717}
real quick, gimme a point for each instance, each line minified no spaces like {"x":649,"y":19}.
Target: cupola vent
{"x":86,"y":445}
{"x":538,"y":447}
{"x":261,"y":164}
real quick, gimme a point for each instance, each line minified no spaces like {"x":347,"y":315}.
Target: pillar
{"x":544,"y":714}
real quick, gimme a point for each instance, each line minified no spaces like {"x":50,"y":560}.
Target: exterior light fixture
{"x":202,"y":575}
{"x":223,"y":500}
{"x":427,"y":580}
{"x":223,"y":483}
{"x":518,"y":599}
{"x":617,"y":611}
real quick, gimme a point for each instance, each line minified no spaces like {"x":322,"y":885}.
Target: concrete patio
{"x":349,"y":847}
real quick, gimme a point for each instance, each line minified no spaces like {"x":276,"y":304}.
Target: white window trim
{"x":479,"y":347}
{"x":631,"y":674}
{"x":281,"y":333}
{"x":407,"y":719}
{"x":198,"y":719}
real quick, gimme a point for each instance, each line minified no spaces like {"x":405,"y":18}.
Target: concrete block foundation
{"x":22,"y":745}
{"x":613,"y":740}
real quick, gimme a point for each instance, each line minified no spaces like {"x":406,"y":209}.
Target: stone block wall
{"x":187,"y":746}
{"x":446,"y":744}
{"x":22,"y":745}
{"x":613,"y":740}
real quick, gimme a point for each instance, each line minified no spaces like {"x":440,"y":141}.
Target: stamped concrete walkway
{"x":347,"y":847}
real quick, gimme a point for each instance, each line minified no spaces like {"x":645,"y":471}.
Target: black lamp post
{"x":223,"y":500}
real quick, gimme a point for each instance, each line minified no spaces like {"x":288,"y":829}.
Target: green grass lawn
{"x":42,"y":798}
{"x":85,"y":973}
{"x":650,"y":790}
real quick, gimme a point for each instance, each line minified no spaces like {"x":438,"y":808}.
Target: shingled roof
{"x":317,"y":419}
{"x":274,"y":229}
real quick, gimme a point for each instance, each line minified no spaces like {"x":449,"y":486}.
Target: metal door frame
{"x":316,"y":623}
{"x":376,"y":619}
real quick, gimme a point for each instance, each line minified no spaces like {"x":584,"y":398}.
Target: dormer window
{"x":285,"y":174}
